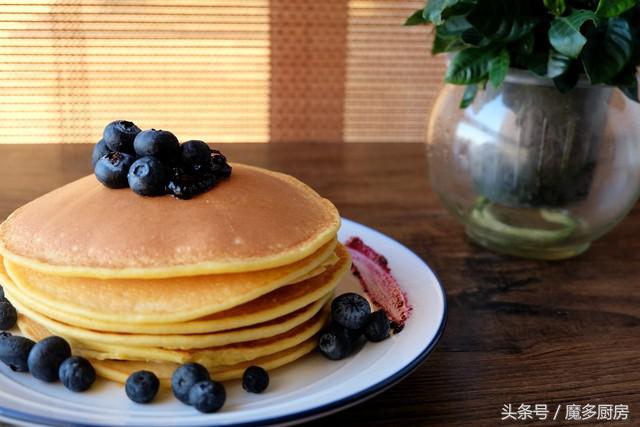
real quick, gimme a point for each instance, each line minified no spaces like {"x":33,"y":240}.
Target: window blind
{"x":198,"y":68}
{"x":220,"y":70}
{"x":392,"y":79}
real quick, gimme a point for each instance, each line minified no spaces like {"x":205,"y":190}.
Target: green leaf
{"x":613,"y":8}
{"x":453,"y":26}
{"x":446,"y":44}
{"x":461,"y":8}
{"x":557,"y":64}
{"x":416,"y":18}
{"x":472,"y":37}
{"x":498,"y":68}
{"x":564,"y":33}
{"x":608,"y":51}
{"x":434,"y":9}
{"x":470,"y":65}
{"x":469,"y":95}
{"x":557,"y":7}
{"x":567,"y":81}
{"x":626,"y":77}
{"x":503,"y":20}
{"x":448,"y":35}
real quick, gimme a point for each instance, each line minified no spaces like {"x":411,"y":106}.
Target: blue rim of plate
{"x":308,"y":414}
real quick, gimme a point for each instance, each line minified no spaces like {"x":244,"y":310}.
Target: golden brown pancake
{"x":255,"y":220}
{"x":163,"y":300}
{"x":230,"y":354}
{"x":174,"y":341}
{"x":119,"y":370}
{"x":270,"y":306}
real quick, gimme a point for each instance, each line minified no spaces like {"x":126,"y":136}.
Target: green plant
{"x":556,"y":39}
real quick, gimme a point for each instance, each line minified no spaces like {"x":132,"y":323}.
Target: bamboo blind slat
{"x":391,"y":79}
{"x":220,"y":70}
{"x":198,"y":68}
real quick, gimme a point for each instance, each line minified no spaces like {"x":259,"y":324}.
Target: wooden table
{"x":518,"y":330}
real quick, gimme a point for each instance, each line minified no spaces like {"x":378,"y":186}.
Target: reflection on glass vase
{"x":533,"y":172}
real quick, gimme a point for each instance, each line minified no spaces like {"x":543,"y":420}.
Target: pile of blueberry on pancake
{"x":153,"y":162}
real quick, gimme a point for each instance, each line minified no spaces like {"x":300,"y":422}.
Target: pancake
{"x":270,"y":306}
{"x":256,"y":220}
{"x":173,"y":341}
{"x":163,"y":301}
{"x":119,"y":370}
{"x":333,"y":258}
{"x":213,"y":356}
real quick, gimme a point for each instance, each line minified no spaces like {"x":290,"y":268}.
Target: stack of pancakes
{"x":240,"y":275}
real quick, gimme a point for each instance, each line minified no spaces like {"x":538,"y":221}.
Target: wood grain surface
{"x":518,"y":330}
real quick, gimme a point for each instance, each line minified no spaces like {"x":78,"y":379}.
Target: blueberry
{"x":350,"y":310}
{"x":14,"y":352}
{"x":119,"y":136}
{"x":353,"y":334}
{"x":222,"y":170}
{"x":377,"y":329}
{"x":111,"y":169}
{"x":220,"y":167}
{"x":218,"y":157}
{"x":184,"y":377}
{"x":335,"y":344}
{"x":2,"y":298}
{"x":157,"y":143}
{"x":147,"y":176}
{"x":77,"y":374}
{"x":99,"y":150}
{"x":207,"y":396}
{"x":8,"y":315}
{"x":255,"y":379}
{"x":142,"y":386}
{"x":186,"y":185}
{"x":195,"y":155}
{"x":46,"y":357}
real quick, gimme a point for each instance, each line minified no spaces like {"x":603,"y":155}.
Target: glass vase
{"x":532,"y":172}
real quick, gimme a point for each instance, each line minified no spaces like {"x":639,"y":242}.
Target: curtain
{"x":219,"y":70}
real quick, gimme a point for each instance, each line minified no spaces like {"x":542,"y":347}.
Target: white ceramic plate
{"x":309,"y":388}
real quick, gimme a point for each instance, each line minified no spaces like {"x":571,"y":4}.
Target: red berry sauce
{"x":378,"y":283}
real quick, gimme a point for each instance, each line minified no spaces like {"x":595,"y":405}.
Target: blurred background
{"x":218,"y":70}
